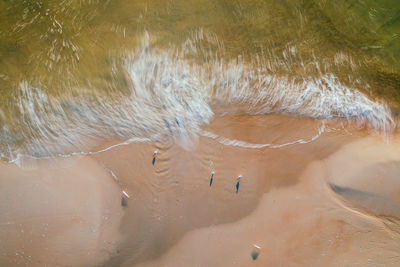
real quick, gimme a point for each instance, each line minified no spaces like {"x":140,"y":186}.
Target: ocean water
{"x":76,"y":72}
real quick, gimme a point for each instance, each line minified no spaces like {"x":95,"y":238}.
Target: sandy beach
{"x":316,"y":195}
{"x":209,"y":133}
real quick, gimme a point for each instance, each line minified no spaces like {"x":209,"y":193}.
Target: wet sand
{"x":306,"y":224}
{"x":331,"y":201}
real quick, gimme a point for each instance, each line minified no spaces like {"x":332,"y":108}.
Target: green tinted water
{"x":68,"y":42}
{"x":78,"y":47}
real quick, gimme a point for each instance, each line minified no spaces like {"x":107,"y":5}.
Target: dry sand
{"x":333,"y":201}
{"x":58,"y":213}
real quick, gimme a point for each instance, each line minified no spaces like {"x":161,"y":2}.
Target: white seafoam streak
{"x":220,"y":139}
{"x":172,"y":98}
{"x":238,"y":143}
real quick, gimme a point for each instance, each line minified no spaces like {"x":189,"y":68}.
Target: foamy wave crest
{"x":325,"y":98}
{"x":60,"y":126}
{"x":171,"y":97}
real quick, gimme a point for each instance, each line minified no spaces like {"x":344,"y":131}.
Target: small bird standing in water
{"x":154,"y":157}
{"x":212,"y":178}
{"x":238,"y":183}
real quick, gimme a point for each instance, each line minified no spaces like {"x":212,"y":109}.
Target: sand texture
{"x":311,"y":194}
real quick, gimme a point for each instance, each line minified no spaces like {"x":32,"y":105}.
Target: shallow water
{"x":73,"y":72}
{"x":82,"y":80}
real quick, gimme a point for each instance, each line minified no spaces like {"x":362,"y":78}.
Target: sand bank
{"x":58,"y":213}
{"x":308,"y":224}
{"x":295,"y":201}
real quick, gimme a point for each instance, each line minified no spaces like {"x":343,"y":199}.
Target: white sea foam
{"x":171,"y":97}
{"x":238,"y":143}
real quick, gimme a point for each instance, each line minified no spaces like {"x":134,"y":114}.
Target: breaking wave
{"x":171,"y":97}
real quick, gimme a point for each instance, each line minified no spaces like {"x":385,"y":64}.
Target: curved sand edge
{"x":68,"y":212}
{"x":305,"y":224}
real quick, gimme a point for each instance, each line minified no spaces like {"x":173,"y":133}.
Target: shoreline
{"x":299,"y":225}
{"x":171,"y":209}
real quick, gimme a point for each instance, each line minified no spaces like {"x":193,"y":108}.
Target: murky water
{"x":75,"y":71}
